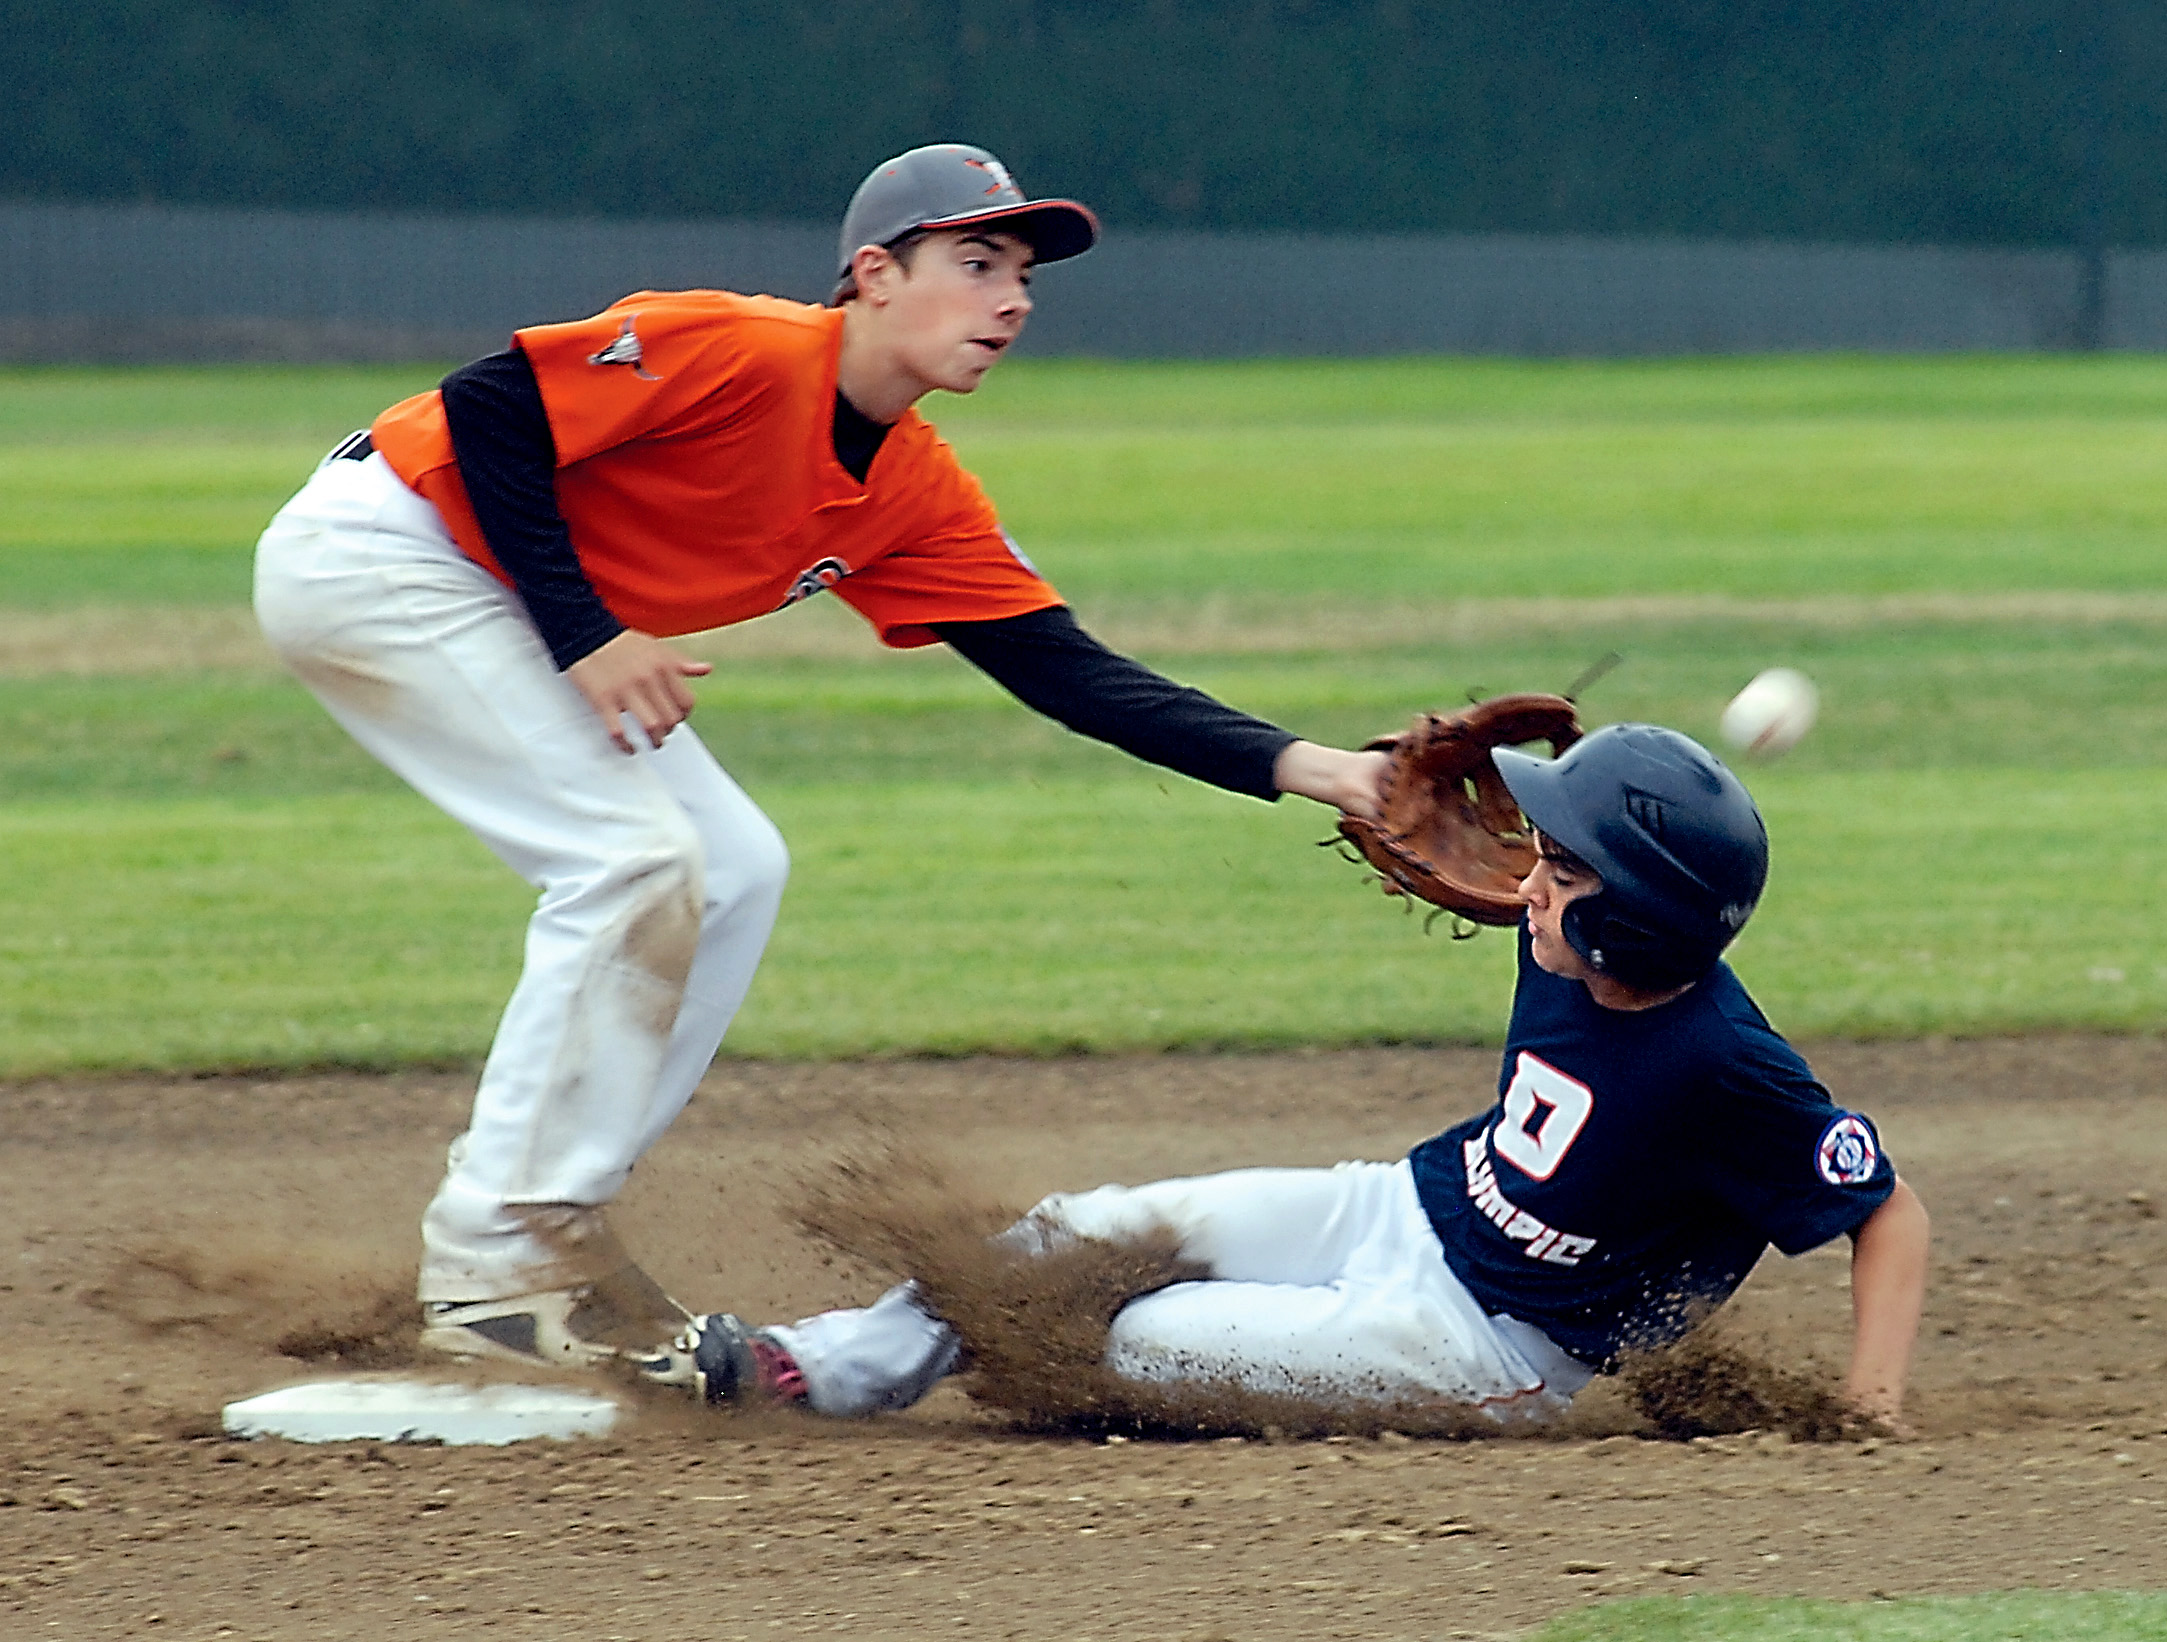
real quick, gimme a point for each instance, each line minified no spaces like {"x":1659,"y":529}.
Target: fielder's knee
{"x":750,"y":869}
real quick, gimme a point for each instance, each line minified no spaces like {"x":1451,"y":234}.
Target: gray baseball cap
{"x":953,"y":185}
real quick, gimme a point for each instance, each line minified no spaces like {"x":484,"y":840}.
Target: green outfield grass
{"x":207,"y":873}
{"x":1371,"y":478}
{"x":2025,"y":1616}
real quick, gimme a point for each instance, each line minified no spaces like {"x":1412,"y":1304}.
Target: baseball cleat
{"x":735,"y":1364}
{"x":568,"y":1328}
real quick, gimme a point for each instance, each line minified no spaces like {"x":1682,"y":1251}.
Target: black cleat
{"x":735,"y":1364}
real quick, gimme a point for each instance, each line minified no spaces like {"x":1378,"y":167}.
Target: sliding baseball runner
{"x":1653,"y":1135}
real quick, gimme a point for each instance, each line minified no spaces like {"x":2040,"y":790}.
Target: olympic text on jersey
{"x":1543,"y":1242}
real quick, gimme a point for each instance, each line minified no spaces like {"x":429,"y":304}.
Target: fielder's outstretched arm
{"x":1051,"y":665}
{"x":1349,"y":781}
{"x":1888,"y":1291}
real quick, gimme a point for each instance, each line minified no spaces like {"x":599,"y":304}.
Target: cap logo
{"x":999,"y":173}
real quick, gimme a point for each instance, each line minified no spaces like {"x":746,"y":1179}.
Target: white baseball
{"x":1772,"y":714}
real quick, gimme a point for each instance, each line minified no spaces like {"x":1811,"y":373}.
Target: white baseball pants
{"x":1323,"y":1280}
{"x":659,"y":879}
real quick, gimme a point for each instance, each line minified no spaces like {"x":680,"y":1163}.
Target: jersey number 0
{"x":1544,"y":1113}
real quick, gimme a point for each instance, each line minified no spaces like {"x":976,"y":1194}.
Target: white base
{"x":420,"y":1411}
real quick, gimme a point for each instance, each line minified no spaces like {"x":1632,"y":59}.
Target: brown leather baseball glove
{"x":1450,"y":833}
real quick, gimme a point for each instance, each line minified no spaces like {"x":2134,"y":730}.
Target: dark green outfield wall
{"x":1957,"y":121}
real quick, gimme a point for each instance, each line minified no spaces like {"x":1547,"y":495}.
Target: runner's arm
{"x":1888,"y":1291}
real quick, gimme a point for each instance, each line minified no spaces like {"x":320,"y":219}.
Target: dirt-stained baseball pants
{"x":659,"y":879}
{"x":1324,"y":1281}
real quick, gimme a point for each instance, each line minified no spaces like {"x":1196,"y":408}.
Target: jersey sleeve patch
{"x":1848,"y":1152}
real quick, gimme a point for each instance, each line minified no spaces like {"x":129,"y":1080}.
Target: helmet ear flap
{"x":1630,"y":952}
{"x":1583,"y":925}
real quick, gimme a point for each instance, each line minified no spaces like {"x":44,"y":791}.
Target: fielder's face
{"x":958,"y":306}
{"x":1557,"y":881}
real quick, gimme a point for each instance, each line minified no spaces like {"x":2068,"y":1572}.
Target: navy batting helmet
{"x":1676,"y":839}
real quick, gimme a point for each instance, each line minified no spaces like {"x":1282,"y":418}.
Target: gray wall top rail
{"x":86,"y":282}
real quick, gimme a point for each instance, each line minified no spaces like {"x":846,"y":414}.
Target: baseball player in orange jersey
{"x":479,"y":588}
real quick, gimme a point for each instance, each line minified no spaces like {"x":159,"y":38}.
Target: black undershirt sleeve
{"x":1050,"y":664}
{"x":508,"y":462}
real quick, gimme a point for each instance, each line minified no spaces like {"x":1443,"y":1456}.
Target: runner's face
{"x":962,"y":302}
{"x":1552,"y":887}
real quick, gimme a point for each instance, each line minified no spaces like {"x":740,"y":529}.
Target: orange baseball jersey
{"x":696,"y":471}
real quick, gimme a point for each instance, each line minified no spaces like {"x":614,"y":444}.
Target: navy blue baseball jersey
{"x":1638,"y":1162}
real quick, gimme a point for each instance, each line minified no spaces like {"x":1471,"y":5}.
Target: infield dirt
{"x":166,"y":1246}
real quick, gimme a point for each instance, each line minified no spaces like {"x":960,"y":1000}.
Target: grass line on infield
{"x":2010,"y":1616}
{"x":1901,"y":697}
{"x":129,"y":640}
{"x":1031,"y":916}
